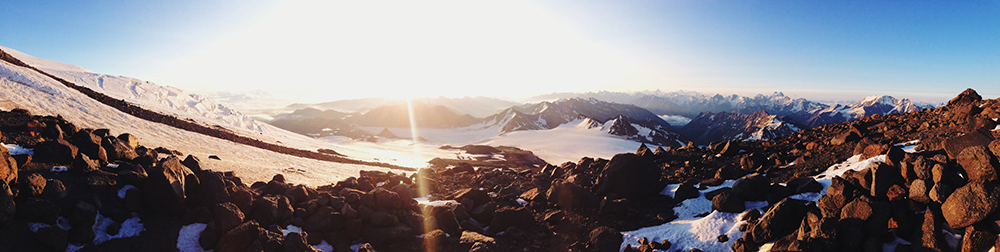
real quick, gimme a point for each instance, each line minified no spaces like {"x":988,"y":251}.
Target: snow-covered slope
{"x":714,"y":127}
{"x":43,"y":63}
{"x":28,"y":89}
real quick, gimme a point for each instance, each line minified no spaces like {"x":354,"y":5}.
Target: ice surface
{"x":121,"y":192}
{"x":17,"y":149}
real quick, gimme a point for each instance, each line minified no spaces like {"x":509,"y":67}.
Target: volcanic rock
{"x":753,"y":187}
{"x":978,"y":163}
{"x":970,"y":204}
{"x":729,"y":202}
{"x":628,"y":175}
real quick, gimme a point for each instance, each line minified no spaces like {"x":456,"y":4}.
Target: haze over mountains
{"x":712,"y":118}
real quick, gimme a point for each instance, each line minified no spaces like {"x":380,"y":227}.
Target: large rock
{"x":239,"y":239}
{"x":39,"y":210}
{"x":782,"y":219}
{"x":568,"y":195}
{"x":955,"y":145}
{"x":118,"y":150}
{"x":753,"y":187}
{"x":192,"y":163}
{"x":628,"y":175}
{"x":978,"y":163}
{"x":471,"y":239}
{"x":884,"y":177}
{"x":227,"y":216}
{"x":970,"y":204}
{"x":57,"y":151}
{"x":212,"y":188}
{"x":53,"y":238}
{"x":165,"y":188}
{"x":385,"y":199}
{"x":966,"y":97}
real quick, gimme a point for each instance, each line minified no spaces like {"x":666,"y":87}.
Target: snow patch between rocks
{"x":187,"y":239}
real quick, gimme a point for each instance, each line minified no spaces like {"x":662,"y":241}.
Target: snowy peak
{"x":636,"y":130}
{"x":43,"y":63}
{"x":715,"y":127}
{"x":878,"y":100}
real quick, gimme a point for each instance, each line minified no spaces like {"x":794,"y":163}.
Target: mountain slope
{"x":871,"y":105}
{"x":32,"y":90}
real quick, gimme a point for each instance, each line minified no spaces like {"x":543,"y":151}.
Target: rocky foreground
{"x":89,"y":190}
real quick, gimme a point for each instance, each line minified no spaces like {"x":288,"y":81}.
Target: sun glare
{"x":349,"y":49}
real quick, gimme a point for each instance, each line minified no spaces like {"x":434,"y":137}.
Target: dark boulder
{"x":56,"y":151}
{"x":192,"y":163}
{"x":39,"y":210}
{"x":53,"y":238}
{"x":325,"y":219}
{"x":570,"y":196}
{"x":385,"y":199}
{"x":729,"y":202}
{"x":804,"y":185}
{"x":628,"y":175}
{"x":212,"y":188}
{"x":970,"y":204}
{"x":929,"y":236}
{"x":969,"y":96}
{"x":477,"y":196}
{"x":166,"y":187}
{"x":782,"y":219}
{"x":117,"y":150}
{"x":239,"y":239}
{"x":686,"y":191}
{"x":129,"y":140}
{"x":753,"y":187}
{"x":227,"y":216}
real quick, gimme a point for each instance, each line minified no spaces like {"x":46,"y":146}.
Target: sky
{"x":330,"y":50}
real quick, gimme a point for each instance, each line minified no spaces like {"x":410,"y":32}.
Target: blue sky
{"x":326,"y":50}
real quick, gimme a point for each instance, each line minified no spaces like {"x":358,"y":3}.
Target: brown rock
{"x":966,"y":97}
{"x":955,"y":145}
{"x":227,"y":216}
{"x":33,"y":185}
{"x":919,"y":191}
{"x":858,"y":209}
{"x":8,"y":167}
{"x":978,"y":163}
{"x":729,"y":202}
{"x":970,"y":204}
{"x":628,"y":175}
{"x":977,"y":239}
{"x":605,"y":239}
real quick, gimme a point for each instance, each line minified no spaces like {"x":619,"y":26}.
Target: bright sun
{"x":408,"y":49}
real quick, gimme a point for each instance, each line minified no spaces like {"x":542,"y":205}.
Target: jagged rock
{"x":873,"y":150}
{"x":729,"y":202}
{"x":929,"y":236}
{"x":117,"y":150}
{"x":444,"y":218}
{"x":53,"y":131}
{"x":569,"y":196}
{"x":436,"y":240}
{"x":383,"y":219}
{"x":966,"y":97}
{"x":995,"y":147}
{"x":781,"y":220}
{"x":484,"y":213}
{"x":753,"y":187}
{"x":240,"y":238}
{"x":385,"y":199}
{"x":533,"y":195}
{"x":970,"y":204}
{"x":628,"y":175}
{"x":753,"y":162}
{"x":978,"y":163}
{"x":56,"y":151}
{"x":271,"y":210}
{"x":33,"y":185}
{"x":730,"y":172}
